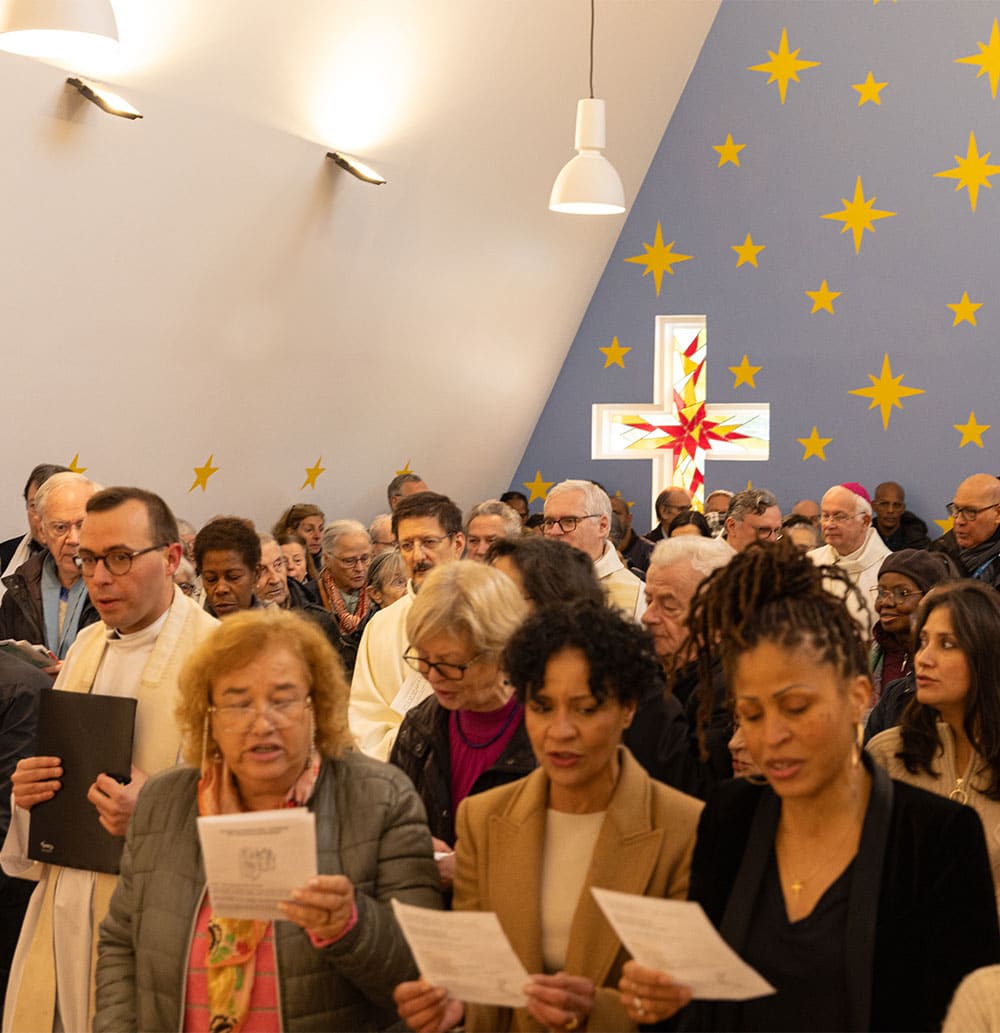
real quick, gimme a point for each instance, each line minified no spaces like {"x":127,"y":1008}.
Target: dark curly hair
{"x":771,"y":592}
{"x":623,"y":666}
{"x":229,"y":533}
{"x":553,"y":573}
{"x":974,"y":609}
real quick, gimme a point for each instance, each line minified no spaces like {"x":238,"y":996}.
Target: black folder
{"x":92,"y":735}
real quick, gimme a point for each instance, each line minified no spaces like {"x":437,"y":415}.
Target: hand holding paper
{"x":427,"y":1009}
{"x":322,"y":907}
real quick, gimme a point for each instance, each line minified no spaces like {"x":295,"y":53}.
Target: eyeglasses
{"x":240,"y":717}
{"x":355,"y":561}
{"x":837,"y":518}
{"x":899,"y":595}
{"x":187,"y":587}
{"x":967,"y":512}
{"x":116,"y":562}
{"x":61,"y":528}
{"x":567,"y":524}
{"x":768,"y":534}
{"x":450,"y":672}
{"x":428,"y":544}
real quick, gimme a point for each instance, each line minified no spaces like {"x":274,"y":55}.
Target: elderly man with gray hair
{"x":579,"y":513}
{"x":676,"y":569}
{"x":488,"y":523}
{"x":753,"y":516}
{"x":46,"y":601}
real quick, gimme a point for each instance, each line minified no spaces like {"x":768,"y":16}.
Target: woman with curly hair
{"x":863,"y":901}
{"x":587,"y":816}
{"x":263,"y":711}
{"x":948,"y":739}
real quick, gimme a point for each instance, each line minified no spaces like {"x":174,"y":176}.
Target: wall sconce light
{"x":356,"y":167}
{"x":588,"y":184}
{"x":104,"y":98}
{"x":67,"y":31}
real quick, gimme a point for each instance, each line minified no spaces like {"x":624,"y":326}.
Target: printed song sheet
{"x":466,"y":952}
{"x":255,"y":859}
{"x":676,"y":937}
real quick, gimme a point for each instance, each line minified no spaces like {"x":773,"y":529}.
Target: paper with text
{"x":676,"y":937}
{"x":466,"y":952}
{"x":255,"y":859}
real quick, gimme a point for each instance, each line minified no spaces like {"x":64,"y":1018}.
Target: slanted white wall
{"x":204,"y":281}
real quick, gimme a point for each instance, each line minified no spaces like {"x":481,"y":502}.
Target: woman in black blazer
{"x":862,"y":900}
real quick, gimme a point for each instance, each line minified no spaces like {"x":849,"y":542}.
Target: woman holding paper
{"x":863,"y":901}
{"x":264,"y":713}
{"x":588,"y":816}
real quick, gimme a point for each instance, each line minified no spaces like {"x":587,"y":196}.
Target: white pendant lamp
{"x":588,"y":184}
{"x":66,"y":31}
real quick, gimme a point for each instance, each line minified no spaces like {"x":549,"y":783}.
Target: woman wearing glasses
{"x":948,"y":739}
{"x":469,"y":735}
{"x":264,"y":715}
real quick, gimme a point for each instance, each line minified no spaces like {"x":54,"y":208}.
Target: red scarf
{"x":334,"y":601}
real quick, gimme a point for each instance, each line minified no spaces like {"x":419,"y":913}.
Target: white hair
{"x":862,"y":507}
{"x":512,"y":526}
{"x":58,"y":483}
{"x":595,"y":499}
{"x":336,"y":529}
{"x":703,"y":555}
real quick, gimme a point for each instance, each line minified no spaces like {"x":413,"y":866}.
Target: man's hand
{"x":115,"y":802}
{"x":35,"y":780}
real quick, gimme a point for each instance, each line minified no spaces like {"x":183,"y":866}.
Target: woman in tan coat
{"x":588,"y":816}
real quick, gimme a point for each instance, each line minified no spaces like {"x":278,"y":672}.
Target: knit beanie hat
{"x":924,"y":569}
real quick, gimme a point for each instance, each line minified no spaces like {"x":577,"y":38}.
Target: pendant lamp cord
{"x":591,"y":49}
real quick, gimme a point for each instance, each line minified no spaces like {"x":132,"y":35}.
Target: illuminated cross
{"x":678,"y":432}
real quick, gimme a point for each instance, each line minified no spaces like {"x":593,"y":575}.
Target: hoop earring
{"x":859,"y":743}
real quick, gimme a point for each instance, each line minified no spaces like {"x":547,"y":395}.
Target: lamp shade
{"x":588,"y":184}
{"x":66,"y":31}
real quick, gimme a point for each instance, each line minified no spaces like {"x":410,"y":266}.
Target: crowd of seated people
{"x":790,"y":716}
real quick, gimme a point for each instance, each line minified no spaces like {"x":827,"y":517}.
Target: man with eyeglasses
{"x":852,"y":544}
{"x":129,"y":548}
{"x":896,"y":525}
{"x":428,"y":527}
{"x":753,"y":516}
{"x":18,"y":550}
{"x":46,"y":602}
{"x":974,"y":539}
{"x":579,"y":513}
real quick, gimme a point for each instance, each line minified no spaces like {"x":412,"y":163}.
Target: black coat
{"x":422,"y":750}
{"x":921,"y":911}
{"x":22,"y":615}
{"x":911,"y":533}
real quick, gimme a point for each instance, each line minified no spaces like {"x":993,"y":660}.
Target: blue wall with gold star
{"x":844,"y":239}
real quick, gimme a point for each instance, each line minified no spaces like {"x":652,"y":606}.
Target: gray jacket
{"x":370,"y":826}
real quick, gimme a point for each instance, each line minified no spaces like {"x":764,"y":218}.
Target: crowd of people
{"x":793,"y":720}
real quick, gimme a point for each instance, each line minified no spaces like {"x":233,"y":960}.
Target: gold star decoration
{"x":74,"y":465}
{"x":971,"y":431}
{"x":618,"y":495}
{"x":784,"y":66}
{"x":823,"y":299}
{"x":946,"y":525}
{"x":406,"y":469}
{"x":658,"y":259}
{"x":312,"y":473}
{"x":869,"y":90}
{"x":728,"y":151}
{"x":744,"y":373}
{"x":886,"y":391}
{"x":988,"y":59}
{"x":965,"y":310}
{"x":858,"y":215}
{"x":747,"y":251}
{"x":972,"y":171}
{"x":814,"y":445}
{"x":202,"y":474}
{"x":614,"y":354}
{"x":538,"y":488}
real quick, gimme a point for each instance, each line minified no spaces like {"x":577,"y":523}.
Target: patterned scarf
{"x":232,"y":945}
{"x":346,"y":621}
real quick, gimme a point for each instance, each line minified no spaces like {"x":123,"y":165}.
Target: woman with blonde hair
{"x":468,"y":736}
{"x":264,"y":714}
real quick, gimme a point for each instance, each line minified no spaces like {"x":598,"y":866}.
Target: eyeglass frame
{"x":549,"y":522}
{"x":228,"y":711}
{"x":81,"y":561}
{"x":416,"y":662}
{"x":963,"y":511}
{"x":428,"y":542}
{"x":899,"y":595}
{"x":353,"y":561}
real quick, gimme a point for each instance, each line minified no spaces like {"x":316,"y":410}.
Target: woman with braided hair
{"x":863,"y":901}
